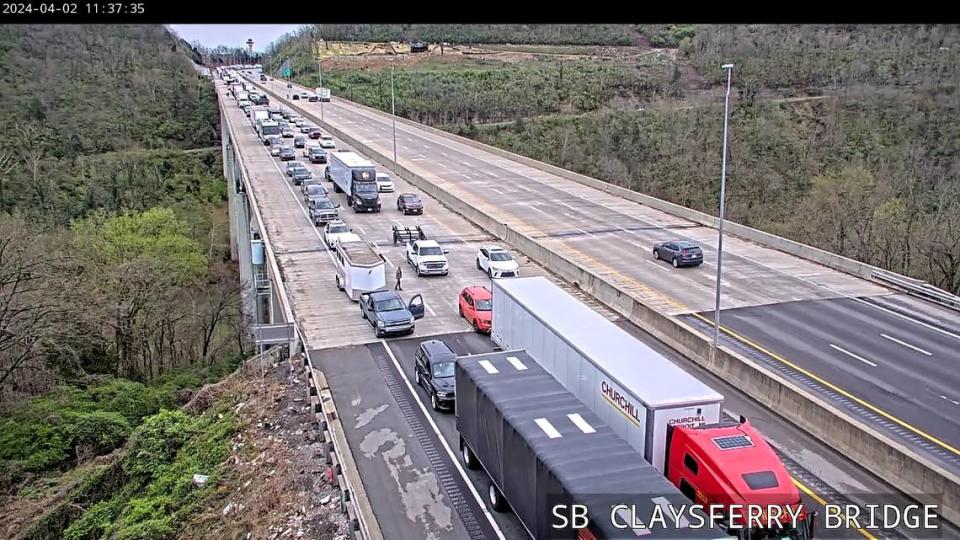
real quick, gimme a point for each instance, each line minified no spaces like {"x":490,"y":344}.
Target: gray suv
{"x":679,"y":253}
{"x":433,"y":369}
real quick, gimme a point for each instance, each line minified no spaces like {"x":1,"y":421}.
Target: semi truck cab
{"x":729,"y":463}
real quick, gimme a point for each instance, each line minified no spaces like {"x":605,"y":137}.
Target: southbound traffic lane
{"x":398,"y":460}
{"x":463,"y":343}
{"x":903,"y":367}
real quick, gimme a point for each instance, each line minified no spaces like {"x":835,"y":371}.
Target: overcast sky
{"x":212,"y":35}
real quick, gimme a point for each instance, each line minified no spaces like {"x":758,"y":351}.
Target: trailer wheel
{"x":467,"y":456}
{"x":496,"y":499}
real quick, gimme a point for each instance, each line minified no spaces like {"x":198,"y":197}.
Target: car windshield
{"x":431,"y":250}
{"x":500,"y":256}
{"x":337,"y":228}
{"x":442,"y":370}
{"x":314,"y":189}
{"x":410,"y":199}
{"x":393,"y":304}
{"x":484,"y":305}
{"x":326,"y":205}
{"x":363,"y":187}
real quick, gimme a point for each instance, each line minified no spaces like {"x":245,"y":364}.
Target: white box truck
{"x":360,"y":269}
{"x":356,"y":176}
{"x":631,"y":387}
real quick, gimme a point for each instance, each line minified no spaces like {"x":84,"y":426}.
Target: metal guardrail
{"x":919,"y":288}
{"x":363,"y":524}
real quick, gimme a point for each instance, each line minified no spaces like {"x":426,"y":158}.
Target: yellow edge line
{"x":823,"y":502}
{"x":835,"y":388}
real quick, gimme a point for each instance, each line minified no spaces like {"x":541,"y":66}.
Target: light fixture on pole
{"x":320,"y":76}
{"x":723,"y":194}
{"x":393,"y":113}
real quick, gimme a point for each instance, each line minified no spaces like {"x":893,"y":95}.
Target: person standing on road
{"x":399,"y":275}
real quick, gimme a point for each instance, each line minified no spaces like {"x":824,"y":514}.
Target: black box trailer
{"x":542,"y":447}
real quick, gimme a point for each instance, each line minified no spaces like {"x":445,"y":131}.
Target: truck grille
{"x":434,"y":265}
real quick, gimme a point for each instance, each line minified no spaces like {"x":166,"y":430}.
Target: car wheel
{"x":460,"y":309}
{"x":490,"y":273}
{"x":467,"y":456}
{"x":478,"y":265}
{"x":476,"y":327}
{"x":418,"y":271}
{"x":434,"y":402}
{"x":496,"y":498}
{"x":675,"y":263}
{"x":378,"y":333}
{"x":656,"y":254}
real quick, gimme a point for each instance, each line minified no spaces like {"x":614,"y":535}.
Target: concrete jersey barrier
{"x":898,"y":464}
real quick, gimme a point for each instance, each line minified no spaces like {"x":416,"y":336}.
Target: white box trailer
{"x":360,"y":269}
{"x":631,"y":387}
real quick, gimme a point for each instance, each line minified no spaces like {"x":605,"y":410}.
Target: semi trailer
{"x":671,"y":418}
{"x":544,"y":452}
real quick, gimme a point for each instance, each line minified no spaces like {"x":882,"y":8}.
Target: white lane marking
{"x":444,"y":154}
{"x":907,"y":345}
{"x":851,"y":297}
{"x":361,"y":228}
{"x":848,"y":353}
{"x":639,"y":245}
{"x":583,"y":231}
{"x":955,"y":402}
{"x":535,"y":209}
{"x":387,"y":260}
{"x":430,"y":309}
{"x":658,"y":266}
{"x":453,"y":458}
{"x":441,"y":165}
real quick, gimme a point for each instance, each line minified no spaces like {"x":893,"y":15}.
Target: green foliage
{"x":669,"y":35}
{"x":156,"y":443}
{"x":92,"y":523}
{"x":96,"y":432}
{"x":156,"y":235}
{"x":576,"y":34}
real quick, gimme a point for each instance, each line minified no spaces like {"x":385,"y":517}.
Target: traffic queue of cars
{"x":385,"y":310}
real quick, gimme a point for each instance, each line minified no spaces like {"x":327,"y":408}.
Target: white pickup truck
{"x":427,"y":257}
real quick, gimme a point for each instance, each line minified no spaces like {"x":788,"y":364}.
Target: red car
{"x":476,"y":306}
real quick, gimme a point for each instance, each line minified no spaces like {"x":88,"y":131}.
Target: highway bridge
{"x":803,"y":331}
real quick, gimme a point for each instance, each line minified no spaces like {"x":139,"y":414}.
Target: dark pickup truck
{"x":389,"y":314}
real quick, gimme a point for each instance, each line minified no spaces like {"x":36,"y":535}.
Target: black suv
{"x":434,"y":368}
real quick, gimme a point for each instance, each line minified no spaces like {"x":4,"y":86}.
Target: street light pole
{"x":393,"y":112}
{"x":320,"y":75}
{"x":723,"y":194}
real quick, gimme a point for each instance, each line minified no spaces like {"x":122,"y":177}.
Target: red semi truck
{"x":672,"y":419}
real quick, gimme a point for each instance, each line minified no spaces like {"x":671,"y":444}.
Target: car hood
{"x":504,"y":265}
{"x":484,"y":316}
{"x":413,"y":204}
{"x":397,"y":315}
{"x":444,"y":384}
{"x":433,"y":258}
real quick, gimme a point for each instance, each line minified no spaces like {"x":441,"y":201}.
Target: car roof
{"x":409,"y":195}
{"x":685,"y":243}
{"x":382,"y":175}
{"x":479,"y":292}
{"x":428,"y":243}
{"x":335,"y":222}
{"x":493,"y":247}
{"x":436,"y":347}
